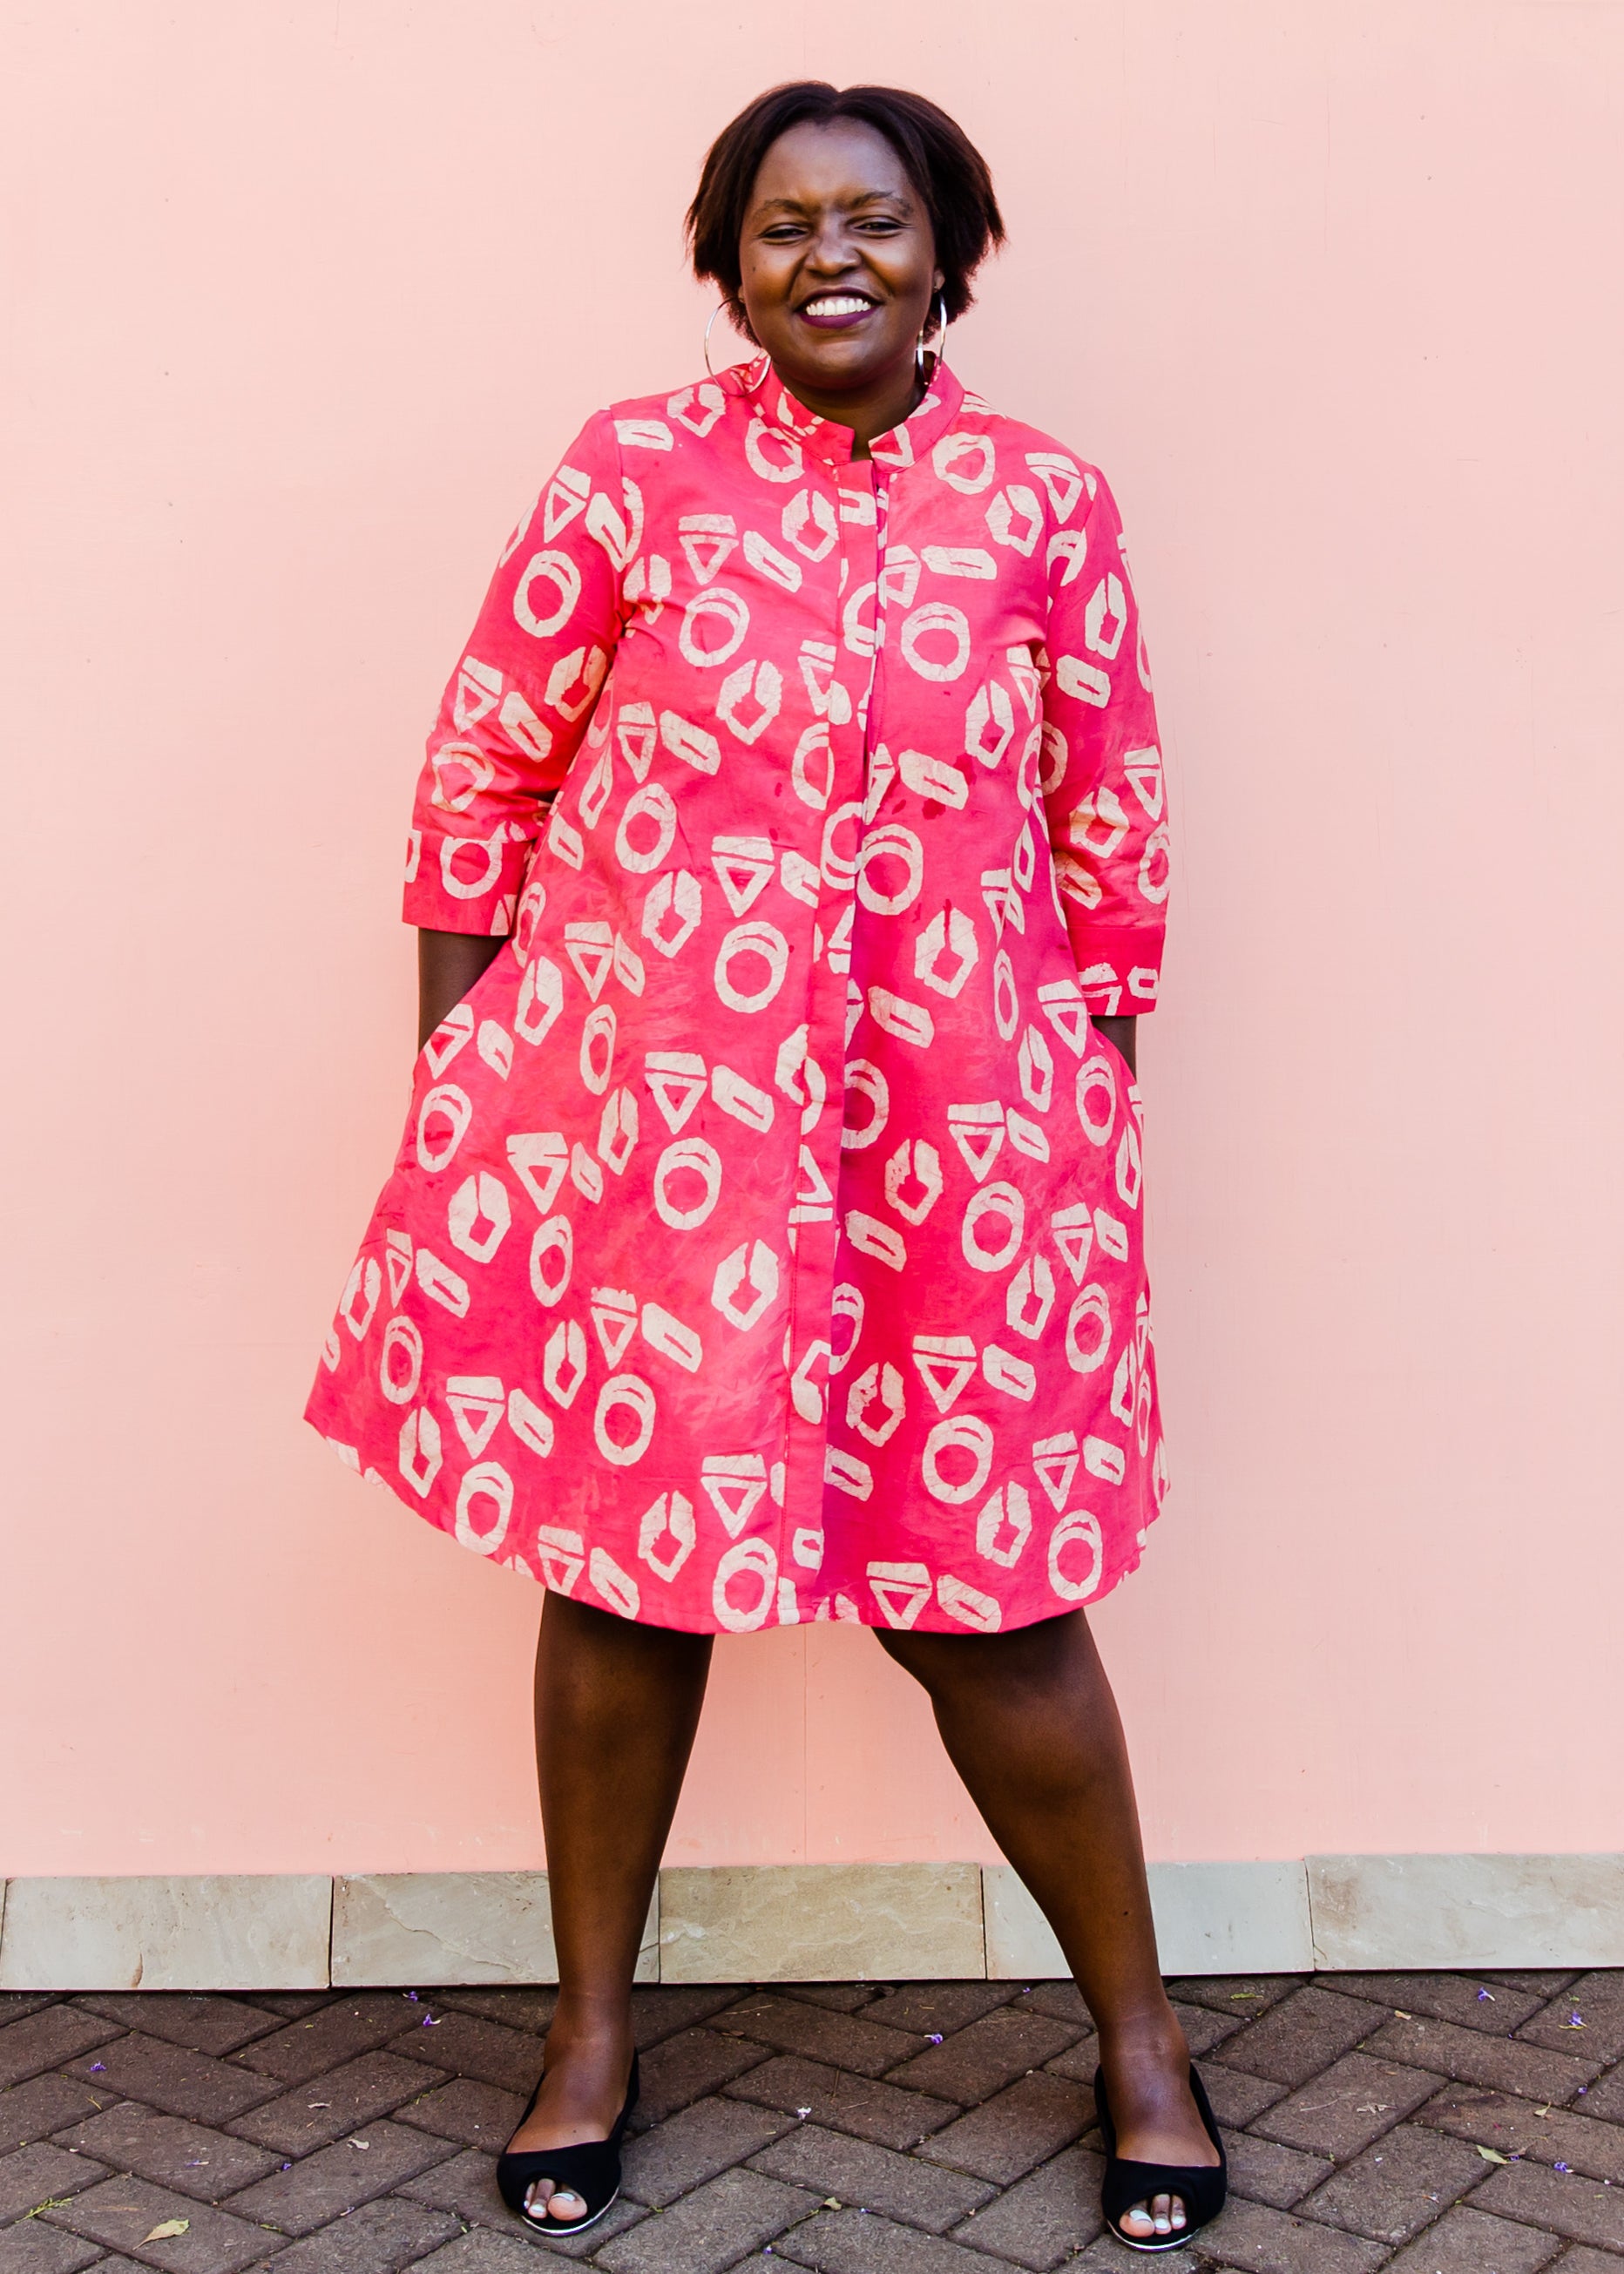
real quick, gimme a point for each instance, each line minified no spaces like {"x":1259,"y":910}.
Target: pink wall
{"x":305,"y":296}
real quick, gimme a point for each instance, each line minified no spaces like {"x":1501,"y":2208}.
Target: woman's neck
{"x":869,"y":415}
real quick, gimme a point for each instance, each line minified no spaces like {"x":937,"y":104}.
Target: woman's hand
{"x":448,"y":963}
{"x":1123,"y":1034}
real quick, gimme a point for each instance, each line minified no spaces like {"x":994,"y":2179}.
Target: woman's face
{"x":838,"y":261}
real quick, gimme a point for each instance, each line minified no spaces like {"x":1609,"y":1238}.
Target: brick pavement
{"x":1425,"y":2123}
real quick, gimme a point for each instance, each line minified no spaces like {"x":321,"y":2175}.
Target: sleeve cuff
{"x":1118,"y":970}
{"x":465,"y":884}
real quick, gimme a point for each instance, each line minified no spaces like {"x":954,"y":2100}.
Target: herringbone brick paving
{"x":1423,"y":2123}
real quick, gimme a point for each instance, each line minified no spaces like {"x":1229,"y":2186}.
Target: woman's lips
{"x":836,"y":312}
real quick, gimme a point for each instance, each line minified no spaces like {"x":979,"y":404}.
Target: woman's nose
{"x":832,"y":247}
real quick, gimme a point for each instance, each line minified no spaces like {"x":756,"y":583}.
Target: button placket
{"x":812,"y":1273}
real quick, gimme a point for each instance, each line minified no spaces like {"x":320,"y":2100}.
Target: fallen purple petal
{"x":1561,"y":2167}
{"x":935,"y":2037}
{"x":98,"y":2068}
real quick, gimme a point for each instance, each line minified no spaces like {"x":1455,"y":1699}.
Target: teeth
{"x":835,"y":304}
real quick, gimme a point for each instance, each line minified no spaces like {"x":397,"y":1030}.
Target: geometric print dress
{"x":765,"y":1243}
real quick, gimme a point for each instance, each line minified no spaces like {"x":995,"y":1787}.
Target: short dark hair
{"x":944,"y":166}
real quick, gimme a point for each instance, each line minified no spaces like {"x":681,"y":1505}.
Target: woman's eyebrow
{"x":863,"y":198}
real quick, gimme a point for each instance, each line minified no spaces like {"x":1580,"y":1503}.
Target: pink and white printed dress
{"x":765,"y":1240}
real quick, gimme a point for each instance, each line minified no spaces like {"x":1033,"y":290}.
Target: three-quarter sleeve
{"x":520,"y":700}
{"x":1103,"y":784}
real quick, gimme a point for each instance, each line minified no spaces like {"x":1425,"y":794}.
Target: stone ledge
{"x":1211,"y":1918}
{"x":217,"y":1932}
{"x":401,"y":1928}
{"x":822,"y":1923}
{"x":790,"y":1922}
{"x":1373,"y":1913}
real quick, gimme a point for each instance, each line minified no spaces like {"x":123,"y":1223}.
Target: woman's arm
{"x":1123,"y":1034}
{"x":517,"y":709}
{"x":1103,"y":784}
{"x":448,"y":963}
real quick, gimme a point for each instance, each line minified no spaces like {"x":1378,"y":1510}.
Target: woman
{"x":765,"y":1244}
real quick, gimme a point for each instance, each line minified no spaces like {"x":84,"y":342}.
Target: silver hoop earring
{"x":935,"y":323}
{"x":721,"y":309}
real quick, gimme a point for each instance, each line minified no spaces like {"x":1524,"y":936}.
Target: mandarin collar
{"x":824,"y":439}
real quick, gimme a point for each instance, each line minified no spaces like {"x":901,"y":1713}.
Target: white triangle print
{"x":1073,"y":1235}
{"x":706,"y":539}
{"x":811,"y":1186}
{"x":1060,"y":477}
{"x":901,"y":1591}
{"x":678,"y":1079}
{"x":945,"y":1362}
{"x":1054,"y":1464}
{"x":614,"y":1321}
{"x":566,"y":492}
{"x":637,"y":732}
{"x":1143,"y":769}
{"x":477,"y":1402}
{"x":540,"y":1159}
{"x":734,"y":1485}
{"x":1067,"y":1013}
{"x":474,"y":698}
{"x":397,"y":1263}
{"x":979,"y":1140}
{"x":454,"y":1030}
{"x":817,"y":669}
{"x":591,"y":948}
{"x":560,"y":1561}
{"x":744,"y":866}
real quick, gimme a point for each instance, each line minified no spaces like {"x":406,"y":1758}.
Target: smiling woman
{"x":790,"y":866}
{"x":860,"y":215}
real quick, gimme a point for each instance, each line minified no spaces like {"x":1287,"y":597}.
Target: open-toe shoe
{"x":1200,"y":2187}
{"x":590,"y":2169}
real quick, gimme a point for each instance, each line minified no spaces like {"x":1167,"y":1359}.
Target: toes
{"x":547,"y":2200}
{"x":1162,"y":2215}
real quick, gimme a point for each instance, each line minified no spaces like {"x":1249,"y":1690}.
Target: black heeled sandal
{"x":1201,"y":2187}
{"x":590,"y":2170}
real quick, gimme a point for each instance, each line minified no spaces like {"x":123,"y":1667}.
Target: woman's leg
{"x":1030,"y":1724}
{"x":616,"y":1708}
